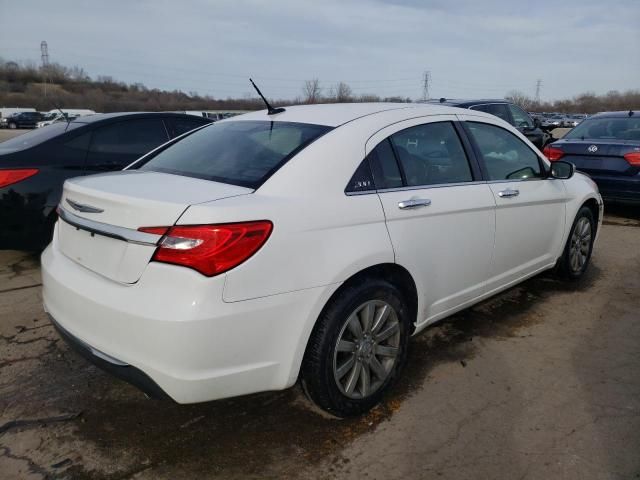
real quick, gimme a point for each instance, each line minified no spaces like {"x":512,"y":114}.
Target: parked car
{"x":508,"y":112}
{"x":310,"y":242}
{"x":573,"y":120}
{"x":23,"y":120}
{"x":606,"y":146}
{"x":553,"y":121}
{"x":8,"y":111}
{"x":63,"y":116}
{"x":33,"y":166}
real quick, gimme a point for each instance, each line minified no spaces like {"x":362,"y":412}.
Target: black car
{"x":605,"y":146}
{"x":508,"y":112}
{"x":34,"y":166}
{"x":23,"y":120}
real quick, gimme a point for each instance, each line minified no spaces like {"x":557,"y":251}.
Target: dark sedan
{"x":606,"y":146}
{"x":34,"y":166}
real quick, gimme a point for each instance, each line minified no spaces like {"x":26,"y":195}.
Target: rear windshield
{"x":612,"y":128}
{"x":36,"y":137}
{"x":243,"y":153}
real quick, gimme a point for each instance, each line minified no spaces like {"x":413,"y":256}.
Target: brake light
{"x":9,"y":177}
{"x":633,"y":158}
{"x":553,"y":153}
{"x":210,"y":249}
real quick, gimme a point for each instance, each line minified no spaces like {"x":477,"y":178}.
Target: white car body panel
{"x":246,"y":330}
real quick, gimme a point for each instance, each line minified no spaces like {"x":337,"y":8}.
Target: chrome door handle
{"x":508,"y":193}
{"x":414,"y":203}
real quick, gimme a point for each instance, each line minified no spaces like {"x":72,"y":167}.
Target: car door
{"x":530,"y":207}
{"x":439,"y":214}
{"x":116,"y":145}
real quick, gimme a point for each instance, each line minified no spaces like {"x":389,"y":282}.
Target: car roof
{"x":336,"y":114}
{"x":98,"y":117}
{"x":457,"y":102}
{"x":618,"y":114}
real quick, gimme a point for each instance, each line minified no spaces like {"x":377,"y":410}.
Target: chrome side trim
{"x":112,"y":231}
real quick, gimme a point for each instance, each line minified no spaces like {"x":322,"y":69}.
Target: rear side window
{"x":384,"y":166}
{"x":178,"y":126}
{"x":498,"y":109}
{"x":243,"y":153}
{"x":133,"y":137}
{"x":505,"y":156}
{"x":431,"y":154}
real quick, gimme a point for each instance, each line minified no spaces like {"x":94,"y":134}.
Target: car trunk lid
{"x":101,"y":215}
{"x":598,"y":157}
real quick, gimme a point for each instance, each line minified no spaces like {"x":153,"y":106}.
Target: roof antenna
{"x":270,"y":109}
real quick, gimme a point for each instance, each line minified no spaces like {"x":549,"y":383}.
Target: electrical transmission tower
{"x":426,"y":83}
{"x":44,"y":50}
{"x":538,"y":85}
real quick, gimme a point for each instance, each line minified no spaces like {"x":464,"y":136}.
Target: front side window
{"x":498,"y":109}
{"x":520,"y":118}
{"x":505,"y":156}
{"x":431,"y":154}
{"x":243,"y":153}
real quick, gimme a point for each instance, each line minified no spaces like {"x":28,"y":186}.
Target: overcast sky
{"x":472,"y":48}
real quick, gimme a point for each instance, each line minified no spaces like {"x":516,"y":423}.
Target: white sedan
{"x":306,"y":244}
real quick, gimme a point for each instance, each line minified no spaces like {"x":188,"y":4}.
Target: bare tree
{"x":311,"y":91}
{"x":342,"y":93}
{"x":519,"y":99}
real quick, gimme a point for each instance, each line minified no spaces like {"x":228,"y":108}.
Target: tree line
{"x":45,"y":88}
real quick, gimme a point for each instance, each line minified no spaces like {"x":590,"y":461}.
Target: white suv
{"x":309,"y":243}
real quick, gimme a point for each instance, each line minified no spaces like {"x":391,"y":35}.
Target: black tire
{"x":566,"y":267}
{"x":320,"y":364}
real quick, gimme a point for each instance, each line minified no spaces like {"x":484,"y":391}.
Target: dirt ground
{"x":540,"y":382}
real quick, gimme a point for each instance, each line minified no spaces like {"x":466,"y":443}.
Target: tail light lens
{"x":633,"y":158}
{"x":9,"y":177}
{"x":553,"y":153}
{"x":210,"y":249}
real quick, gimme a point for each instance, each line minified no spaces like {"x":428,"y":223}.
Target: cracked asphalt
{"x":542,"y":381}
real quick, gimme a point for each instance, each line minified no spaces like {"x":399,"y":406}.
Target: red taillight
{"x":633,"y":158}
{"x":9,"y":177}
{"x":210,"y":249}
{"x":553,"y":153}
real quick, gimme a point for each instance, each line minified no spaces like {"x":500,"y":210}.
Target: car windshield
{"x":36,"y":137}
{"x":243,"y":153}
{"x":607,"y":128}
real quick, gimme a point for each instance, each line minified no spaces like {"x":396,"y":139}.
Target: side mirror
{"x":562,"y":170}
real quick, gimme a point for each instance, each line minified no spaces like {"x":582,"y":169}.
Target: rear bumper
{"x":173,"y":333}
{"x":111,"y":365}
{"x":618,"y":188}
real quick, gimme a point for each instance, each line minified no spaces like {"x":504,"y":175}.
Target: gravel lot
{"x":539,"y":382}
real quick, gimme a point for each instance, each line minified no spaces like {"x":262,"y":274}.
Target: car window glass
{"x":386,"y":173}
{"x":241,"y":153}
{"x":362,"y":180}
{"x":520,"y":117}
{"x":505,"y":156}
{"x":618,"y":128}
{"x":497,"y":109}
{"x":36,"y":137}
{"x":133,"y":137}
{"x":178,"y":126}
{"x":431,"y":154}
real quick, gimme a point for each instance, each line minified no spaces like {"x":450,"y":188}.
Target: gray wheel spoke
{"x":354,"y":326}
{"x":353,"y":377}
{"x":366,"y":317}
{"x":386,"y":351}
{"x":365,"y":380}
{"x":377,"y":368}
{"x":345,"y":367}
{"x":387,"y":332}
{"x":381,"y":317}
{"x":346,"y":346}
